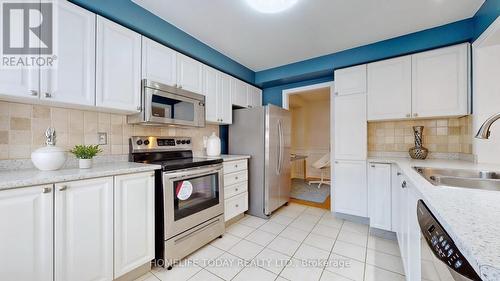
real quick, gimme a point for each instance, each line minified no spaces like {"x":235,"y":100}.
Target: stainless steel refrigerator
{"x":264,"y":133}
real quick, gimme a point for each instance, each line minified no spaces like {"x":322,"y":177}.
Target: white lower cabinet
{"x":235,"y":188}
{"x":84,"y":230}
{"x":134,"y":221}
{"x":379,"y":194}
{"x":350,"y":189}
{"x":26,"y":234}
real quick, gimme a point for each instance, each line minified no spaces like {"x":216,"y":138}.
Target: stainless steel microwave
{"x":162,"y":104}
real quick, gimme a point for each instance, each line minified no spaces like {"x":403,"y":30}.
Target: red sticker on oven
{"x":183,"y":190}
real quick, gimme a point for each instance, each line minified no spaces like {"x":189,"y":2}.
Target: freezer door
{"x":285,"y":165}
{"x":272,"y":163}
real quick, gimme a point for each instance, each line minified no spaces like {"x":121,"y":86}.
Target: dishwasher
{"x":443,"y":247}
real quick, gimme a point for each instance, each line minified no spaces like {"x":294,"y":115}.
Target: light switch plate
{"x":102,"y":138}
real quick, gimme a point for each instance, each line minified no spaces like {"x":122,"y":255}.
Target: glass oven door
{"x":192,"y":197}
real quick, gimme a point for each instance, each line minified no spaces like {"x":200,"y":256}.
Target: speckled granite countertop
{"x":470,"y":216}
{"x":29,"y":177}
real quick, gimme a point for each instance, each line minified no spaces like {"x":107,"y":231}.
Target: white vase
{"x":48,"y":158}
{"x":85,"y":163}
{"x":213,"y":145}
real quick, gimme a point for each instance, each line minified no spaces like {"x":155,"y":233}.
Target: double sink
{"x":474,"y":179}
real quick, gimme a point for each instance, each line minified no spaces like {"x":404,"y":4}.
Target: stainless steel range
{"x":189,"y":196}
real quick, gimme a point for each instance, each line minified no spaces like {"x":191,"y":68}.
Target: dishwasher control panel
{"x":441,"y":243}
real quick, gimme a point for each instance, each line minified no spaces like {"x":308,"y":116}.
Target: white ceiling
{"x":309,"y":29}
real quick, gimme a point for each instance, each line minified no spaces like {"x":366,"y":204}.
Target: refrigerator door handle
{"x":280,"y":132}
{"x":278,"y":150}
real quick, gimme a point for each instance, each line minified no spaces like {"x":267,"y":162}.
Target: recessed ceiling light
{"x":271,"y":6}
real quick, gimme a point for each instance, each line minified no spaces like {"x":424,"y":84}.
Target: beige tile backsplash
{"x":451,"y":135}
{"x":22,"y":129}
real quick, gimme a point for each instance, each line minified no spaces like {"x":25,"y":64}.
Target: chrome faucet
{"x":484,"y":131}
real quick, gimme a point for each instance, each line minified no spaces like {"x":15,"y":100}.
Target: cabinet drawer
{"x":235,"y":166}
{"x":235,"y":206}
{"x":233,"y":178}
{"x":235,"y":189}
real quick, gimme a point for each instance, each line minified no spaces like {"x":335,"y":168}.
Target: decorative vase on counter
{"x":50,"y":157}
{"x":418,"y":152}
{"x":213,"y":145}
{"x":85,"y":163}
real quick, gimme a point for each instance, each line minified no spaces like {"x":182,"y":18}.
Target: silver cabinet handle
{"x":236,"y":166}
{"x":398,"y":174}
{"x":408,"y":115}
{"x":46,"y":190}
{"x":237,"y":205}
{"x":336,"y":162}
{"x":48,"y":95}
{"x":139,"y":107}
{"x":235,"y":178}
{"x":415,"y":114}
{"x":373,"y":166}
{"x":63,"y":188}
{"x":180,"y":86}
{"x":34,"y":93}
{"x":175,"y":85}
{"x":235,"y":189}
{"x":336,"y":93}
{"x":403,"y":185}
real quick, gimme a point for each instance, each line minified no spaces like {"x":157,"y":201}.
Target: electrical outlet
{"x":102,"y":138}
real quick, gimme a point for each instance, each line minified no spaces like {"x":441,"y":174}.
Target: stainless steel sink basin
{"x":487,"y":180}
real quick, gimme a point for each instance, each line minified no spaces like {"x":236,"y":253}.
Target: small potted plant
{"x":85,"y":153}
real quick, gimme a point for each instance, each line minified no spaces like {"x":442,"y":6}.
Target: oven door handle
{"x":190,"y":173}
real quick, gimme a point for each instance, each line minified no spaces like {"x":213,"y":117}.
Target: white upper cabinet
{"x":440,"y":82}
{"x":73,"y":81}
{"x":389,"y":89}
{"x":216,"y":87}
{"x":20,"y":83}
{"x":224,"y":99}
{"x":133,"y":221}
{"x":380,"y":196}
{"x":238,"y":93}
{"x":254,"y":96}
{"x":118,"y":69}
{"x":26,"y":234}
{"x":84,"y":230}
{"x":350,"y":80}
{"x":350,"y":193}
{"x":189,"y":74}
{"x":350,"y":127}
{"x":159,"y":63}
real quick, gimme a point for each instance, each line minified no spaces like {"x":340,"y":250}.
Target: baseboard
{"x":385,"y":234}
{"x":136,"y":273}
{"x":352,"y":218}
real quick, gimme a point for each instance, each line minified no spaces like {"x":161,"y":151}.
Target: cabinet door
{"x":440,"y":82}
{"x":350,"y":127}
{"x":210,"y":87}
{"x":403,"y":223}
{"x":189,"y":74}
{"x":379,"y":194}
{"x":20,"y":83}
{"x":84,"y":230}
{"x":73,"y":81}
{"x":159,"y":63}
{"x":395,"y":204}
{"x":238,"y":93}
{"x":134,"y":221}
{"x":254,"y":96}
{"x":389,"y":89}
{"x":26,"y":234}
{"x":118,"y":80}
{"x":414,"y":237}
{"x":350,"y":80}
{"x":350,"y":192}
{"x":225,"y":108}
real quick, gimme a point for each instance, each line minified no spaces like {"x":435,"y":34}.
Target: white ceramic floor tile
{"x":281,"y":219}
{"x":306,"y":252}
{"x":385,"y":261}
{"x":205,"y":275}
{"x":346,"y":267}
{"x":252,"y":221}
{"x":350,"y":250}
{"x":303,"y":225}
{"x":330,"y":220}
{"x":373,"y":273}
{"x":355,"y":227}
{"x":180,"y":272}
{"x":240,"y":230}
{"x":272,"y":227}
{"x":383,"y":245}
{"x":281,"y":279}
{"x":271,"y":260}
{"x":308,"y":217}
{"x":260,"y":237}
{"x":320,"y":241}
{"x":204,"y":255}
{"x":325,"y":230}
{"x":428,"y":271}
{"x":315,"y":211}
{"x":330,"y":276}
{"x":226,"y":266}
{"x":294,"y":234}
{"x":297,"y":271}
{"x":245,"y":250}
{"x":147,"y":277}
{"x":226,"y":242}
{"x":284,"y":245}
{"x":353,"y":238}
{"x":252,"y":273}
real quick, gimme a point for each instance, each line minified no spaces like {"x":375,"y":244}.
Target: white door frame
{"x":285,"y":104}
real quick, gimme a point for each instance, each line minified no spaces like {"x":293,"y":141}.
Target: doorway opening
{"x":310,"y":144}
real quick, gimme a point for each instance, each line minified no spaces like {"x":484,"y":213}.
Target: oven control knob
{"x":178,"y":142}
{"x":139,"y":142}
{"x":458,"y":264}
{"x":146,"y":142}
{"x":188,"y":141}
{"x":183,"y":141}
